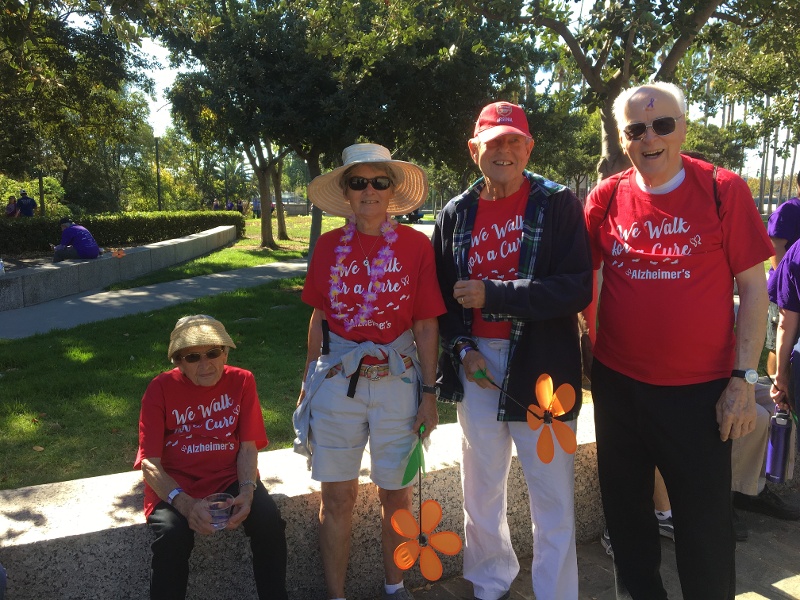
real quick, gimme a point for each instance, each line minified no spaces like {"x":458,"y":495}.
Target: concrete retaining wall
{"x":86,"y":538}
{"x":26,"y":287}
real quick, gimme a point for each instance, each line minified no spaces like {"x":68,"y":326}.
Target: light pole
{"x":158,"y":176}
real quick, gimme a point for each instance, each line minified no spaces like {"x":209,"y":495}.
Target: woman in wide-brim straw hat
{"x":372,"y":348}
{"x":200,"y":430}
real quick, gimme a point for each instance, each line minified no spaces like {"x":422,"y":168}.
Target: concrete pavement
{"x":88,"y":307}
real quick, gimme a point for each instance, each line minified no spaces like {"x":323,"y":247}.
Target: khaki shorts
{"x":383,"y":411}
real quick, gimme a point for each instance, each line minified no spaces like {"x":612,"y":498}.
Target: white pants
{"x":490,"y":563}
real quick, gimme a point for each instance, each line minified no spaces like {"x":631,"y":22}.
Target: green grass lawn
{"x":69,"y":400}
{"x":245,"y":252}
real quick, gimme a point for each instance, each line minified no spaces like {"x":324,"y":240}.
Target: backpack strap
{"x":611,"y":198}
{"x":717,"y":201}
{"x":716,"y":193}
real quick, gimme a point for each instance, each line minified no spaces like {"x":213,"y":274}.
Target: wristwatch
{"x":750,"y":375}
{"x":173,"y":494}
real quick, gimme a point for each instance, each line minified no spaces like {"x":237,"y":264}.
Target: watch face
{"x":751,"y":376}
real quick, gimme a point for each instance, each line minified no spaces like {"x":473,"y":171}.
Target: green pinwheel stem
{"x":416,"y":460}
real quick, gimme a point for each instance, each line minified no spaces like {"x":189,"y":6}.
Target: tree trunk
{"x":276,"y":172}
{"x":773,"y":171}
{"x":267,"y":240}
{"x":783,"y":171}
{"x":312,"y":160}
{"x":613,"y":158}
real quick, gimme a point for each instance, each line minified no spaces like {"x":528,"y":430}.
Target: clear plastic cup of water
{"x":219,"y":506}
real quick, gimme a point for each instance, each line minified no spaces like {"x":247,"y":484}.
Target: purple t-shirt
{"x":787,"y":280}
{"x":784,"y":223}
{"x":82,"y":240}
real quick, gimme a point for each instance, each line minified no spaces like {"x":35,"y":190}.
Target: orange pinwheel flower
{"x":552,"y":405}
{"x":446,"y":542}
{"x":118,"y":253}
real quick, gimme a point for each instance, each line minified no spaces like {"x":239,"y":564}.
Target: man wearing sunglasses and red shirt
{"x":200,"y":430}
{"x":672,"y":384}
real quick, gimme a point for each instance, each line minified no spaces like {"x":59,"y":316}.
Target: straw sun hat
{"x":410,"y":182}
{"x":198,"y":330}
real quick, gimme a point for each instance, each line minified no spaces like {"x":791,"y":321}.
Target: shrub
{"x":120,"y":229}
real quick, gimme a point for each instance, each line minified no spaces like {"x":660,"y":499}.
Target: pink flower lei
{"x":377,"y":269}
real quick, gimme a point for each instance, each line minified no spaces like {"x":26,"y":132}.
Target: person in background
{"x":229,"y":205}
{"x":256,"y":207}
{"x":200,"y":430}
{"x":11,"y":208}
{"x":215,"y":205}
{"x":26,"y":206}
{"x":76,"y":242}
{"x":672,"y":384}
{"x":372,"y":347}
{"x":783,"y":229}
{"x":514,"y":268}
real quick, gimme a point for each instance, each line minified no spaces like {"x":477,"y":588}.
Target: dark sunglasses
{"x":196,"y":356}
{"x":661,"y":126}
{"x":360,"y":183}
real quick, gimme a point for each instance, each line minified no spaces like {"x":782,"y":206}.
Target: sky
{"x":160,"y":117}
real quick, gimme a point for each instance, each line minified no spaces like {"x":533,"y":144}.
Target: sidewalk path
{"x":89,"y":307}
{"x":766,"y":566}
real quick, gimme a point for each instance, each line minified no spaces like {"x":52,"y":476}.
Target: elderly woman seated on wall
{"x":200,"y":430}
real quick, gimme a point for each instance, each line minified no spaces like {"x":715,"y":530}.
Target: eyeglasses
{"x":196,"y":356}
{"x":661,"y":126}
{"x":360,"y":183}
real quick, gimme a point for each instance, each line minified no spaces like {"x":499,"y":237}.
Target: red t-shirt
{"x":196,"y":430}
{"x":407,"y":292}
{"x":494,"y":250}
{"x":666,"y":305}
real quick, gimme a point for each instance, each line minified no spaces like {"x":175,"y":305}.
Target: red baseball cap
{"x":501,"y":118}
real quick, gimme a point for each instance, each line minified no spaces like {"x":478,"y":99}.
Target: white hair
{"x":621,"y":102}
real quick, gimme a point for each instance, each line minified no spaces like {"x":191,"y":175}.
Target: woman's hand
{"x":428,"y":415}
{"x":241,"y":507}
{"x":196,"y":512}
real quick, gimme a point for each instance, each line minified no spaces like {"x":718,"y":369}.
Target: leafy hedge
{"x":122,"y":229}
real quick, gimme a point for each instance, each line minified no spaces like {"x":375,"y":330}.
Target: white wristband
{"x":464,"y":351}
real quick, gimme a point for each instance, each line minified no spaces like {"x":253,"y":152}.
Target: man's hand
{"x":427,"y":415}
{"x":736,"y":410}
{"x":470,"y":293}
{"x":473,"y":362}
{"x":241,"y":507}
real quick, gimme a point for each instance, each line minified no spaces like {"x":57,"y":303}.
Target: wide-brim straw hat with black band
{"x":410,"y":184}
{"x":198,"y":330}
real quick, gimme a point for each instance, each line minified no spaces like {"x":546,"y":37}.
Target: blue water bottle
{"x":780,"y":434}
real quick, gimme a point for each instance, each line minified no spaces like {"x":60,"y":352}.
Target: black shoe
{"x":740,"y":531}
{"x":767,"y":503}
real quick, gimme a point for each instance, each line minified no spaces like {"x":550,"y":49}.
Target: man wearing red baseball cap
{"x":514,"y":267}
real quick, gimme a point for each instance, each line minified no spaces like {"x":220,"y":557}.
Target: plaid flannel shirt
{"x":541,"y":190}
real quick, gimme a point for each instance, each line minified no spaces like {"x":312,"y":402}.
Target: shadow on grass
{"x":75,"y":394}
